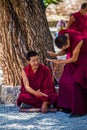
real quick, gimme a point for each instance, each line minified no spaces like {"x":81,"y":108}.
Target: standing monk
{"x":73,"y":82}
{"x":37,"y":88}
{"x":78,"y":20}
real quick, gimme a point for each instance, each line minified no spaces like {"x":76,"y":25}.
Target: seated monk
{"x":37,"y":88}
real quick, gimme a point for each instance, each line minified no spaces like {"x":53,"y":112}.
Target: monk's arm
{"x":76,"y":52}
{"x":26,"y":84}
{"x":71,"y":20}
{"x":74,"y":58}
{"x":28,"y":88}
{"x":60,"y":53}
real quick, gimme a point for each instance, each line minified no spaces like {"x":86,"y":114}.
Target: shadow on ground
{"x":12,"y":119}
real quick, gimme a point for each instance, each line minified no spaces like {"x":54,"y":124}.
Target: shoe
{"x":23,"y":105}
{"x":75,"y":115}
{"x":67,"y":111}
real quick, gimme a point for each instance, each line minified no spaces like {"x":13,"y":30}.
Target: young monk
{"x":78,"y":20}
{"x":37,"y":88}
{"x":73,"y":82}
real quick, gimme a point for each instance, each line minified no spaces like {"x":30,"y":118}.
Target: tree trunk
{"x":23,"y":27}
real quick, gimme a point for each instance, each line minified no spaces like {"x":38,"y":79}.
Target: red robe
{"x":80,"y":23}
{"x":73,"y":82}
{"x":42,"y":80}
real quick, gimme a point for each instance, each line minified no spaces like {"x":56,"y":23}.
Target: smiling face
{"x":84,"y":11}
{"x":34,"y":62}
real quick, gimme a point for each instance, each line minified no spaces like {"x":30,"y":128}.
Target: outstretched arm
{"x":74,"y":58}
{"x":29,"y":89}
{"x":60,"y":53}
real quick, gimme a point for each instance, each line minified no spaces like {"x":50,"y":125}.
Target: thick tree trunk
{"x":23,"y":27}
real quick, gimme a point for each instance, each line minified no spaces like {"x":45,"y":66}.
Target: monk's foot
{"x":44,"y":107}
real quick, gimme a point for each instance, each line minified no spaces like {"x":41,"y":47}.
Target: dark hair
{"x":60,"y":41}
{"x":31,"y":54}
{"x":84,"y":5}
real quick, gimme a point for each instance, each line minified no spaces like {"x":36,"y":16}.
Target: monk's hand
{"x":55,"y":68}
{"x":52,"y":60}
{"x":40,"y":94}
{"x":51,"y":53}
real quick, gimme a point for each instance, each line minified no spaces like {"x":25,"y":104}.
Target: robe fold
{"x":42,"y":80}
{"x":73,"y":82}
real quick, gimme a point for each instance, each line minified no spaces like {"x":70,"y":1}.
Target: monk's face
{"x":64,"y":47}
{"x":84,"y":11}
{"x":34,"y":62}
{"x":67,"y":44}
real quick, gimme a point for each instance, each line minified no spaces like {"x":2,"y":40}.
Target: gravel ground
{"x":12,"y":119}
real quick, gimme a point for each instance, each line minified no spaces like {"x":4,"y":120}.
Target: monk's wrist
{"x":35,"y":93}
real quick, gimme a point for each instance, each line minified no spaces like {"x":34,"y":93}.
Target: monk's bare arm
{"x":60,"y":53}
{"x":76,"y":52}
{"x":71,"y":20}
{"x":26,"y":84}
{"x":28,"y":88}
{"x":74,"y":58}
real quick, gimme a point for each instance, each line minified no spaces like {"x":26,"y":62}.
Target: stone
{"x":9,"y":94}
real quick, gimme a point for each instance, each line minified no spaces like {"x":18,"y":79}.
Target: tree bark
{"x":23,"y":27}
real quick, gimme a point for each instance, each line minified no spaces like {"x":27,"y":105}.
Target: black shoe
{"x":23,"y":105}
{"x":65,"y":110}
{"x":75,"y":115}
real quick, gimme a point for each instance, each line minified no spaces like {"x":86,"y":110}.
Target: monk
{"x":78,"y":20}
{"x":37,"y":88}
{"x":73,"y":82}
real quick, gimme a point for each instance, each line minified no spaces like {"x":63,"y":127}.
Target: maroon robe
{"x":73,"y":82}
{"x":42,"y":80}
{"x":80,"y":23}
